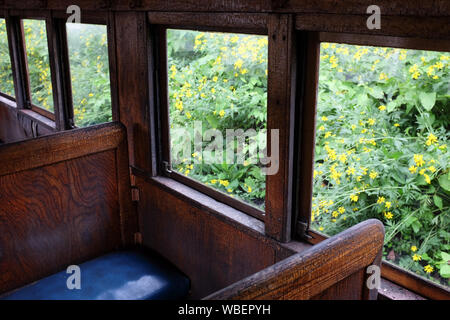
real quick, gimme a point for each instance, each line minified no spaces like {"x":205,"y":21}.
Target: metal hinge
{"x":134,"y":193}
{"x":166,"y":167}
{"x":138,"y":238}
{"x":302,"y":230}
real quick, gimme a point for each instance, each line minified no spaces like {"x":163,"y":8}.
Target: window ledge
{"x":220,"y":210}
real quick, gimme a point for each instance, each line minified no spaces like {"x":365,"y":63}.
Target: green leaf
{"x":445,"y":271}
{"x":444,"y":182}
{"x":428,"y":100}
{"x":438,"y":201}
{"x":391,"y":106}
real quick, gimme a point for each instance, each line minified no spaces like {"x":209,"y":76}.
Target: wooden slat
{"x":39,"y":152}
{"x":237,"y":22}
{"x":388,"y":7}
{"x":385,"y":41}
{"x":306,"y":275}
{"x":412,"y":282}
{"x":429,"y":28}
{"x":280,"y":116}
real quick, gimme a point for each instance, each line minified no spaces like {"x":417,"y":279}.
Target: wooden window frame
{"x":62,"y":116}
{"x":306,"y":145}
{"x":280,"y":108}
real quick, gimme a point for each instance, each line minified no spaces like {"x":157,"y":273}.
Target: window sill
{"x":226,"y":213}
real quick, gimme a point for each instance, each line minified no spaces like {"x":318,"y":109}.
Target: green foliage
{"x":381,"y":150}
{"x":89,"y":68}
{"x":6,"y":79}
{"x":220,"y":80}
{"x":38,"y":63}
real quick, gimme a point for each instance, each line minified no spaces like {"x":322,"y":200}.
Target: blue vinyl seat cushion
{"x":122,"y":275}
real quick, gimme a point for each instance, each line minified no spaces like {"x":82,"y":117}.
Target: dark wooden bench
{"x":65,"y":200}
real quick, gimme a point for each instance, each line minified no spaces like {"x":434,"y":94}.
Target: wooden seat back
{"x":64,"y":198}
{"x":333,"y":269}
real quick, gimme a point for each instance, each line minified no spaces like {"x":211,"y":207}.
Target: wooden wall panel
{"x":212,"y":253}
{"x":57,"y":215}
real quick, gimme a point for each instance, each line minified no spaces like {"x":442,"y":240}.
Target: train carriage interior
{"x":224,"y":150}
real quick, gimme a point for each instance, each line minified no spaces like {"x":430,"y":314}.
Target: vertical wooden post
{"x":131,"y":40}
{"x":280,"y":115}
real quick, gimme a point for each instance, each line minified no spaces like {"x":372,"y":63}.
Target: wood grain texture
{"x":309,"y":274}
{"x":237,"y":22}
{"x":25,"y":155}
{"x":281,"y":86}
{"x":431,"y":27}
{"x":388,"y":7}
{"x":210,"y":251}
{"x":132,"y":80}
{"x":66,"y":200}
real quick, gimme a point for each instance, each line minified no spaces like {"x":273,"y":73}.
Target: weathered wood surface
{"x":211,"y":248}
{"x":388,"y":7}
{"x":281,"y":84}
{"x":337,"y":264}
{"x":64,"y":199}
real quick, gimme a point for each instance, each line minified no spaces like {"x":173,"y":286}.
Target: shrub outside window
{"x":218,"y":86}
{"x":382,"y":132}
{"x":89,"y":68}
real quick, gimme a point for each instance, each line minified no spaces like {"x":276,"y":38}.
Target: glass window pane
{"x":6,"y":78}
{"x":89,"y":68}
{"x":218,"y":82}
{"x":382,"y":132}
{"x":38,"y":63}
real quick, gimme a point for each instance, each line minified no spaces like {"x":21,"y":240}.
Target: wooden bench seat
{"x":122,"y":275}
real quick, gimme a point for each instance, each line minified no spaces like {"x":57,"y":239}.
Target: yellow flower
{"x":320,"y":228}
{"x":418,"y":159}
{"x":388,"y":204}
{"x":371,"y":121}
{"x":413,"y":248}
{"x":341,"y":209}
{"x":229,"y":190}
{"x":213,"y":90}
{"x":432,"y":169}
{"x":396,"y":125}
{"x":388,"y":215}
{"x":417,"y":257}
{"x":381,"y":199}
{"x":324,"y":118}
{"x":373,"y":174}
{"x":382,"y":108}
{"x":188,"y":115}
{"x":221,"y":113}
{"x":354,"y":198}
{"x":249,"y":189}
{"x":215,"y":79}
{"x":213,"y":181}
{"x":428,"y":268}
{"x":413,"y":169}
{"x":431,"y":139}
{"x":427,"y":178}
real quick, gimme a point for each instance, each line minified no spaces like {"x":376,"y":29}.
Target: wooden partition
{"x":334,"y":269}
{"x":64,"y":198}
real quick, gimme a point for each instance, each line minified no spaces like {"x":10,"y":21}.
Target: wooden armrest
{"x":332,"y":269}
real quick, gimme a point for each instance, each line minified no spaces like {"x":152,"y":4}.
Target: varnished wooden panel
{"x":311,"y":273}
{"x":64,"y":198}
{"x":57,"y":215}
{"x":211,"y":252}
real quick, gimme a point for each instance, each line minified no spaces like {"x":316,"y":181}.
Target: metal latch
{"x":302,"y":230}
{"x":166,"y":167}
